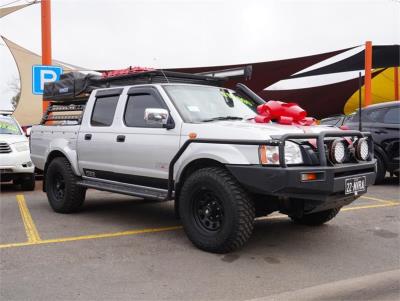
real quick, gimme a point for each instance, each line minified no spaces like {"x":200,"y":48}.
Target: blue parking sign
{"x":44,"y":74}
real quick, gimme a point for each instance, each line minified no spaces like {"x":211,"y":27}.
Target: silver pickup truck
{"x":199,"y":146}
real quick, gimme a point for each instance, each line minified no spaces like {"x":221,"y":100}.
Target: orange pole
{"x":368,"y":68}
{"x":396,"y":83}
{"x":46,"y":37}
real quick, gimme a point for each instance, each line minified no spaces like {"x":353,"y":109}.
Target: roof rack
{"x":71,"y":92}
{"x":75,"y":86}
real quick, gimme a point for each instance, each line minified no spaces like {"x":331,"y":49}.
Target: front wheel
{"x":63,"y":193}
{"x":381,"y":170}
{"x":317,"y":218}
{"x":216,"y":213}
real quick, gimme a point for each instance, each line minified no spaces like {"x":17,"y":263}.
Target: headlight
{"x":21,"y":146}
{"x":362,"y":149}
{"x":337,"y":152}
{"x":293,"y":153}
{"x":269,"y":154}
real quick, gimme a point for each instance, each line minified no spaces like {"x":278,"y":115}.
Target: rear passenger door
{"x":143,"y":157}
{"x":96,"y":135}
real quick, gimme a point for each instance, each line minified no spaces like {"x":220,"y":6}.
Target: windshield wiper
{"x":222,"y":118}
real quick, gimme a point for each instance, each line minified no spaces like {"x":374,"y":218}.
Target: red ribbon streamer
{"x":283,"y":113}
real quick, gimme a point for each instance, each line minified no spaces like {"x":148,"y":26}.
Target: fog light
{"x":362,"y":149}
{"x":337,"y":151}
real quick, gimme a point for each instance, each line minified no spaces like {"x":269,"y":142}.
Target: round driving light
{"x":337,"y":151}
{"x":362,"y":149}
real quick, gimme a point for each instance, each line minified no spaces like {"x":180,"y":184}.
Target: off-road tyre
{"x":28,"y":183}
{"x":381,"y":170}
{"x":317,"y":218}
{"x":235,"y":222}
{"x":63,"y":193}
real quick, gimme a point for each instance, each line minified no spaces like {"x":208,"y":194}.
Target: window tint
{"x":376,"y":115}
{"x":392,"y":116}
{"x":104,"y":110}
{"x":135,"y":107}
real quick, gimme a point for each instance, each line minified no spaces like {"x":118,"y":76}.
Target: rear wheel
{"x":317,"y":218}
{"x":217,"y":214}
{"x":63,"y":193}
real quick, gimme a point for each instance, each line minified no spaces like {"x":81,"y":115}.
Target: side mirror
{"x":156,"y":116}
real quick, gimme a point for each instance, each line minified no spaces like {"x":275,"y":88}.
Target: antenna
{"x":162,"y":71}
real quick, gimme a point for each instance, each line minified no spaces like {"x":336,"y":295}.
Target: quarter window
{"x":136,"y":106}
{"x":104,"y":110}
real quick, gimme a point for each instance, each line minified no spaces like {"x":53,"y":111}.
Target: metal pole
{"x":359,"y":101}
{"x":46,"y":37}
{"x":368,"y":68}
{"x":396,"y":83}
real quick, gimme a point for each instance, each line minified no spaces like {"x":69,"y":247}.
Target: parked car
{"x":200,"y":146}
{"x":15,"y":160}
{"x":383,"y":121}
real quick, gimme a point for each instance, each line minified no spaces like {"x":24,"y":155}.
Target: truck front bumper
{"x":328,"y":190}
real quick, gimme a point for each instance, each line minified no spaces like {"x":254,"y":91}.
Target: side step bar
{"x":122,"y":188}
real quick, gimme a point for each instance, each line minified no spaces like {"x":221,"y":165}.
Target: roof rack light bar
{"x":244,"y":71}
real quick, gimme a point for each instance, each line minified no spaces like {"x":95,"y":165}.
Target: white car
{"x":200,"y":146}
{"x":15,"y":160}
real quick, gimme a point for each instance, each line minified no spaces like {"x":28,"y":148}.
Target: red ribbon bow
{"x":283,"y":113}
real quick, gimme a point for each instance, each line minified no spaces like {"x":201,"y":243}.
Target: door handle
{"x":88,"y":136}
{"x":121,"y":138}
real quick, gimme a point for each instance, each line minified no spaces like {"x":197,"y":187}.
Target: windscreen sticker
{"x":245,"y":101}
{"x":8,"y":126}
{"x":193,"y":108}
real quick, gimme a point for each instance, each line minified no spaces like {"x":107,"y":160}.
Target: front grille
{"x":5,"y":148}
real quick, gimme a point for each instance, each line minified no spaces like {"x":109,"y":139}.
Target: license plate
{"x":355,"y":185}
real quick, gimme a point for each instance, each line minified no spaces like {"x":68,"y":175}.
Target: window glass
{"x":332,"y":121}
{"x":104,"y":110}
{"x":392,"y":116}
{"x":375,"y":115}
{"x":208,"y":104}
{"x":135,"y":107}
{"x":8,"y":126}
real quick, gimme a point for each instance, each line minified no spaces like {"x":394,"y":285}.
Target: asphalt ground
{"x":122,"y":248}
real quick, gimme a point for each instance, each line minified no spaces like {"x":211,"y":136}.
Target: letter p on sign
{"x":44,"y":74}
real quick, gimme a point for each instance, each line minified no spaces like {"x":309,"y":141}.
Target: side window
{"x":392,"y":116}
{"x":104,"y":110}
{"x":376,"y":115}
{"x":135,"y":107}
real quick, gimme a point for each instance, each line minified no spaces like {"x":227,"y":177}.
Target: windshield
{"x":206,"y":104}
{"x":9,"y":126}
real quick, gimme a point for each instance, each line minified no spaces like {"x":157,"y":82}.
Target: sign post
{"x":46,"y":37}
{"x":44,"y":74}
{"x":368,"y":68}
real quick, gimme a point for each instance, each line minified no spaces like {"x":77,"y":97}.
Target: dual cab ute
{"x":197,"y":144}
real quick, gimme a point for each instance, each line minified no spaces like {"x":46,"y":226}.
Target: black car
{"x":383,"y":121}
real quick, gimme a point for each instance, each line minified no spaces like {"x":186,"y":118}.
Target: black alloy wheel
{"x":208,"y":210}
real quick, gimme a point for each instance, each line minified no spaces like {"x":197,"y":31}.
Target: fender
{"x":68,"y":149}
{"x":379,"y":150}
{"x":225,"y":154}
